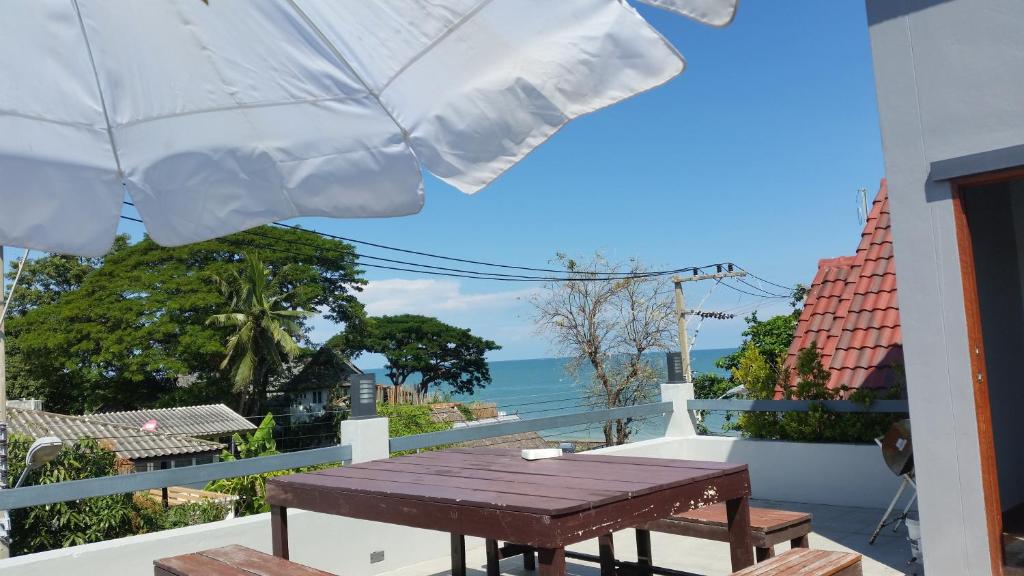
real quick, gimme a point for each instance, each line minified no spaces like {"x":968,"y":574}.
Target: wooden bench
{"x":803,"y":562}
{"x":231,"y":561}
{"x":767,"y":528}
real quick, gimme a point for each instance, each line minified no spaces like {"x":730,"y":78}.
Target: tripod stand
{"x":908,"y":480}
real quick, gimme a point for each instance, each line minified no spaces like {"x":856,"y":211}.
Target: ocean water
{"x":542,"y":387}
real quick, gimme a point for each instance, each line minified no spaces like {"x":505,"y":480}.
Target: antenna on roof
{"x":862,"y":205}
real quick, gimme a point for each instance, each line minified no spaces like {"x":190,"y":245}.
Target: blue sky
{"x":754,"y":155}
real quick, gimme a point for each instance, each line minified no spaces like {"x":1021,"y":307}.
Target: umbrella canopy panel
{"x":219,"y":117}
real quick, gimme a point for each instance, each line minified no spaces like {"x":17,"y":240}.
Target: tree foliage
{"x":117,"y":332}
{"x":439,"y":353}
{"x":759,"y":365}
{"x":251,"y":490}
{"x":408,"y":419}
{"x":41,"y":528}
{"x":609,"y":324}
{"x":808,"y":379}
{"x":264,"y":330}
{"x":770,"y":337}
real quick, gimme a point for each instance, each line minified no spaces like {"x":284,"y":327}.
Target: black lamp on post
{"x":363,"y":396}
{"x":674,"y":360}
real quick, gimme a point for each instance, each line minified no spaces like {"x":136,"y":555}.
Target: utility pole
{"x":684,"y":341}
{"x":681,"y":312}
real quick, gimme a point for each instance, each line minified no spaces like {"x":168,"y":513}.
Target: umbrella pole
{"x":4,"y":534}
{"x":3,"y":369}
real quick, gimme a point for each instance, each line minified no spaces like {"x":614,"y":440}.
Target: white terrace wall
{"x":331,"y":543}
{"x":841,"y":474}
{"x":836,"y":474}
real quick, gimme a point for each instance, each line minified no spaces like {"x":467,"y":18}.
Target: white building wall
{"x":949,"y":82}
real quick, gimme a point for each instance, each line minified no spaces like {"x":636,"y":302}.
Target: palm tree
{"x":265,"y":330}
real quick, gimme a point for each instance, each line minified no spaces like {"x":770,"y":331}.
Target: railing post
{"x":682,"y":423}
{"x":364,"y":431}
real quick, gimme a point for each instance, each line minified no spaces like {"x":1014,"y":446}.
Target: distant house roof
{"x":325,"y":369}
{"x":127,"y":442}
{"x":209,"y":420}
{"x":851,"y":313}
{"x":511,"y":442}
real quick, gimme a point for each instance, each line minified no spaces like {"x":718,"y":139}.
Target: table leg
{"x":279,"y":531}
{"x":606,"y":547}
{"x":552,"y":561}
{"x":492,"y":558}
{"x":458,"y":555}
{"x":741,"y":549}
{"x":643,"y":551}
{"x":529,"y":560}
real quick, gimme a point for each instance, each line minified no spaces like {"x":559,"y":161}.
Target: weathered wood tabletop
{"x":494,"y":493}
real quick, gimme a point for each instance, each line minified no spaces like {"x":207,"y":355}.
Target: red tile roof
{"x":852,"y":314}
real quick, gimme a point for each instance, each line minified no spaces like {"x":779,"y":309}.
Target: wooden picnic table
{"x":495,"y":494}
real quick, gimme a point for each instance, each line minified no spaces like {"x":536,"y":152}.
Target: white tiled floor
{"x":835,"y":528}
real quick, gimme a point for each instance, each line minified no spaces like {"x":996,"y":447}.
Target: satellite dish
{"x":898,"y":449}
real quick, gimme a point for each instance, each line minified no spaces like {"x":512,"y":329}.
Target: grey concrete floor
{"x":834,"y":528}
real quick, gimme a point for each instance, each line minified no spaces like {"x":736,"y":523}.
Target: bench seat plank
{"x":763,"y":519}
{"x":232,"y":561}
{"x":804,"y":562}
{"x":768,"y":527}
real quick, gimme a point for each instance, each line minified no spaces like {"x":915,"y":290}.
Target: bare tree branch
{"x":610,"y":326}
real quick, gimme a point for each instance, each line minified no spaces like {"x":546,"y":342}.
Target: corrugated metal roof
{"x":207,"y":420}
{"x":127,"y":442}
{"x":852,"y":309}
{"x":324,"y":370}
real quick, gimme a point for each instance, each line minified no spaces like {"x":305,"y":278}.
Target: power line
{"x":766,"y":292}
{"x":446,"y":274}
{"x":570,"y":276}
{"x":608,"y":275}
{"x":752,"y":275}
{"x":731,"y":287}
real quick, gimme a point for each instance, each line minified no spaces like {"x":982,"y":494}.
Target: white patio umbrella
{"x":216,"y":117}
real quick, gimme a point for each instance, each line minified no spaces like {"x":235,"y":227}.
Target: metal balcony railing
{"x":201,"y":474}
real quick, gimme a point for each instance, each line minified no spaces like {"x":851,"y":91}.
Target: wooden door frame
{"x":976,"y":350}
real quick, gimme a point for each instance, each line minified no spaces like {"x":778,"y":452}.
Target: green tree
{"x":52,"y":526}
{"x":118,"y":333}
{"x":770,"y":337}
{"x":808,"y":379}
{"x":440,"y":353}
{"x":264,"y":330}
{"x":65,"y":524}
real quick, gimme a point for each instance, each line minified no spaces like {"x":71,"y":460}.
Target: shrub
{"x":251,"y":490}
{"x":41,"y":528}
{"x":811,"y":382}
{"x":767,"y":379}
{"x":406,"y":420}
